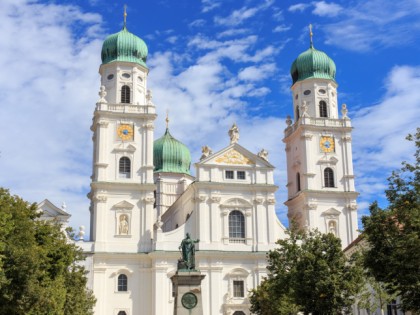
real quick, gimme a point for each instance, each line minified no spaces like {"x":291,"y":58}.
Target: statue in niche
{"x":187,"y":248}
{"x":123,"y":226}
{"x":234,"y":134}
{"x":332,"y":228}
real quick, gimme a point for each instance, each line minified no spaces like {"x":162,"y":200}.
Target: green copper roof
{"x":124,"y":46}
{"x":170,"y":155}
{"x":312,"y":64}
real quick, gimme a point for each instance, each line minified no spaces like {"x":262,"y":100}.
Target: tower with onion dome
{"x":321,"y":190}
{"x":172,"y":161}
{"x":122,"y":187}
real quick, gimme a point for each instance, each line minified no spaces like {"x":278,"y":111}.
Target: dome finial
{"x":310,"y":36}
{"x":125,"y":16}
{"x":167,"y":119}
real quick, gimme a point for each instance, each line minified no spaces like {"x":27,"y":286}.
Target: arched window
{"x":125,"y":167}
{"x":122,"y":313}
{"x":239,"y":313}
{"x":122,"y":283}
{"x":125,"y":94}
{"x":297,"y":113}
{"x":323,"y":109}
{"x":236,"y":226}
{"x":298,"y":181}
{"x":328,"y":177}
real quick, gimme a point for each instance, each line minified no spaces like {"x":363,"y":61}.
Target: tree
{"x":39,"y":270}
{"x":309,"y":273}
{"x":393,"y":234}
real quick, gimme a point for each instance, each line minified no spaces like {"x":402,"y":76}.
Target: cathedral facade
{"x":144,"y":199}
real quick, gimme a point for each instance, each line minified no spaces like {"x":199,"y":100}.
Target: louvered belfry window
{"x":328,"y":177}
{"x":125,"y":94}
{"x":323,"y":109}
{"x":125,"y":167}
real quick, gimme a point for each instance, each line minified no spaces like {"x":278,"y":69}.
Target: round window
{"x":307,"y":92}
{"x":110,"y":77}
{"x":322,"y":91}
{"x":126,"y":75}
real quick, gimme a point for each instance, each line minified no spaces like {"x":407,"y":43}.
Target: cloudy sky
{"x":212,"y":63}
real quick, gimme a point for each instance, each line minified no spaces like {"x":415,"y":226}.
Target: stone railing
{"x":126,"y":108}
{"x":321,"y":122}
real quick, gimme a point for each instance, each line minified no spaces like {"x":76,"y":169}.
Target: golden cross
{"x":167,"y":118}
{"x":311,"y":34}
{"x":125,"y":15}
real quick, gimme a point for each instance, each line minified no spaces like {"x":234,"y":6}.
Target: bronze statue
{"x":187,"y":248}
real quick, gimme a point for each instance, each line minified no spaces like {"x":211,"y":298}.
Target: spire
{"x":167,"y":119}
{"x":310,"y":36}
{"x":125,"y":16}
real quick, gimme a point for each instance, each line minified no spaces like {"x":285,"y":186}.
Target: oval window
{"x":322,"y":91}
{"x":126,"y":75}
{"x":307,"y":92}
{"x":140,"y":79}
{"x":110,"y":77}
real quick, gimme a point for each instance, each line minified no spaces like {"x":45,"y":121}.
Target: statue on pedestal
{"x":187,"y":248}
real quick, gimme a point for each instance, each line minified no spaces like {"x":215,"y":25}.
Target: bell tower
{"x":320,"y":178}
{"x":122,"y":188}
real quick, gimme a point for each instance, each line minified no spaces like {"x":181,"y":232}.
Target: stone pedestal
{"x":187,"y":289}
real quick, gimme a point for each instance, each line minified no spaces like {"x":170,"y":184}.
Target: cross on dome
{"x":310,"y":36}
{"x":125,"y":15}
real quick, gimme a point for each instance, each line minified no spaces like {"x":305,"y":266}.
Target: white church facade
{"x":144,"y":199}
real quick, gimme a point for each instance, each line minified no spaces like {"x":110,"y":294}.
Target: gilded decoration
{"x":233,"y":157}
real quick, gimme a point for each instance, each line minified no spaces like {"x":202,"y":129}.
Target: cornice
{"x":122,"y":185}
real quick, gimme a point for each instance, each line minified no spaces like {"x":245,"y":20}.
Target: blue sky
{"x":211,"y":63}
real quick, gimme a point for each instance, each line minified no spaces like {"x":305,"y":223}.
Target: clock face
{"x":327,"y":144}
{"x":125,"y":132}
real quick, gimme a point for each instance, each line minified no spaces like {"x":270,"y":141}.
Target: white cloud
{"x":48,"y":101}
{"x":375,"y":23}
{"x":281,"y":28}
{"x":323,"y":8}
{"x":380,"y":131}
{"x":197,"y":23}
{"x":233,"y":32}
{"x":172,"y":39}
{"x":209,"y":5}
{"x":239,"y":16}
{"x":298,"y":7}
{"x":257,"y":73}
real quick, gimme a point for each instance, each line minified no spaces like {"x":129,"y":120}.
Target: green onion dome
{"x":124,"y":46}
{"x":312,"y":64}
{"x":170,"y":155}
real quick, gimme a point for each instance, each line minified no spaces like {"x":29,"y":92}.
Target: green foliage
{"x":309,"y":273}
{"x":39,"y":273}
{"x":393,"y":257}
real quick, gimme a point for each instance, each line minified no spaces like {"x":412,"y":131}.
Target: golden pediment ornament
{"x":233,"y":157}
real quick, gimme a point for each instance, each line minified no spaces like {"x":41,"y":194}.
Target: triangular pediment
{"x":235,"y":154}
{"x":233,"y":157}
{"x":331,"y":212}
{"x":124,"y":147}
{"x":236,"y":203}
{"x":328,"y":160}
{"x":49,"y":210}
{"x":123,"y":205}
